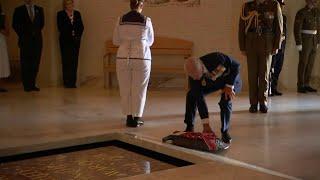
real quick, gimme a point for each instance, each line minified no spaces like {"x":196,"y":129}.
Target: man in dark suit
{"x":277,"y":59}
{"x":28,"y":22}
{"x":207,"y":74}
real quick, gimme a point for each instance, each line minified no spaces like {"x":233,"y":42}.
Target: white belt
{"x":312,"y":32}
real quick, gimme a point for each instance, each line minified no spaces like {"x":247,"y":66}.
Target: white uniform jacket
{"x":134,"y":35}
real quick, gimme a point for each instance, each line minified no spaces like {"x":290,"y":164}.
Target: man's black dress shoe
{"x":189,"y":128}
{"x":35,"y":89}
{"x":226,"y":138}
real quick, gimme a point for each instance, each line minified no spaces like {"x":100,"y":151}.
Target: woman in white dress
{"x":134,"y":35}
{"x":4,"y":60}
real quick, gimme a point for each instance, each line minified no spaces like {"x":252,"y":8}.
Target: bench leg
{"x":106,"y":80}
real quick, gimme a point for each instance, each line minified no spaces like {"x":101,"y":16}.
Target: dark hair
{"x":134,"y":4}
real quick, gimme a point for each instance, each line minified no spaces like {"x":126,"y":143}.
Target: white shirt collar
{"x":27,"y":5}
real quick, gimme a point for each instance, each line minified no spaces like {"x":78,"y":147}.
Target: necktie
{"x":31,"y":14}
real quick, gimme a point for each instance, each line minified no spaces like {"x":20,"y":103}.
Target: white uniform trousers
{"x":133,"y":77}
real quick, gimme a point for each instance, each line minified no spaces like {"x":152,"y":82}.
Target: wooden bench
{"x":161,"y":46}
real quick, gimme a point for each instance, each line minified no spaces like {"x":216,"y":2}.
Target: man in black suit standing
{"x":28,"y":22}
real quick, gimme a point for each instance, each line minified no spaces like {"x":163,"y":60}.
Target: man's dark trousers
{"x":276,"y":67}
{"x":196,"y":99}
{"x":30,"y":54}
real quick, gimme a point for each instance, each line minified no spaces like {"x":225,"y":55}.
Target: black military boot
{"x":253,"y":109}
{"x":310,"y":89}
{"x":263,"y":108}
{"x":226,"y":138}
{"x":302,"y":90}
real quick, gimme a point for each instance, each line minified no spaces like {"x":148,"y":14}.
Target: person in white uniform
{"x":134,"y":35}
{"x":4,"y":60}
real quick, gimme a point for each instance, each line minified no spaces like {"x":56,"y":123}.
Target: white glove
{"x":299,"y":47}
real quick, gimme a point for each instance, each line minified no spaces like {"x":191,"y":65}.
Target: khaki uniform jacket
{"x":265,"y":18}
{"x":306,"y":19}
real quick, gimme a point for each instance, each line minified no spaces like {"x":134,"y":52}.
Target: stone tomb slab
{"x":106,"y":160}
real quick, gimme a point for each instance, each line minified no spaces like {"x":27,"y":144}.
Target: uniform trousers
{"x":196,"y":100}
{"x":259,"y":58}
{"x":306,"y":59}
{"x":133,"y":78}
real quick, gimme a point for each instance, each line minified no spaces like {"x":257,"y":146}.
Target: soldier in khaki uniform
{"x":260,"y":36}
{"x":307,"y":36}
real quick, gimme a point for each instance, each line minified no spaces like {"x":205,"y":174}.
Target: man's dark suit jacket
{"x":26,"y":29}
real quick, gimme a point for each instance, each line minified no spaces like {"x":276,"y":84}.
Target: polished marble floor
{"x":285,"y":140}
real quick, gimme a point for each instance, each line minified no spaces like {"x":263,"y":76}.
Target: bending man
{"x":207,"y":74}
